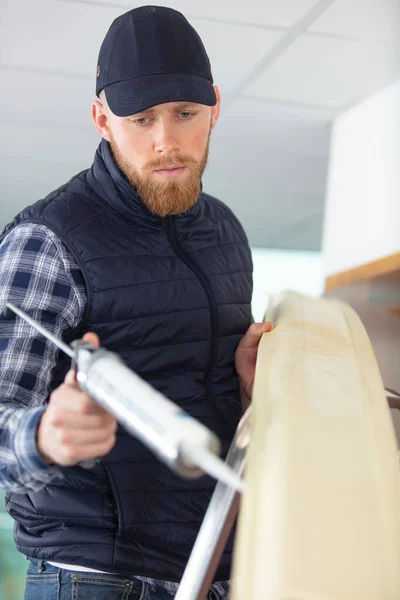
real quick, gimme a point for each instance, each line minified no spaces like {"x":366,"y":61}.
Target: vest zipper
{"x":171,"y":235}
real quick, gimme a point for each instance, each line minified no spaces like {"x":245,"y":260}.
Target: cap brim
{"x":132,"y":96}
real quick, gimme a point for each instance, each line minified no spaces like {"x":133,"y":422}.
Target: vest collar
{"x":108,"y":181}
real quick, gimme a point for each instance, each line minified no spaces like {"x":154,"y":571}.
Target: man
{"x":133,"y":252}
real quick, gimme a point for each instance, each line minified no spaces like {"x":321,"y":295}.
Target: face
{"x":162,"y":151}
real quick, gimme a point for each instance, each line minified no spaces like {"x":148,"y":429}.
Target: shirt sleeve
{"x":39,"y":275}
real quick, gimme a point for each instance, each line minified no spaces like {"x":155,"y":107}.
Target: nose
{"x":165,"y":141}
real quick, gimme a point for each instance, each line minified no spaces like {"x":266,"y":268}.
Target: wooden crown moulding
{"x":320,"y":516}
{"x":377,"y":268}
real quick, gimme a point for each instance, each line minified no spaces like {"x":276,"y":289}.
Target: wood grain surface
{"x":321,"y":515}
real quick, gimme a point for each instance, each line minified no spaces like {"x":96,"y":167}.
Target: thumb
{"x":252,"y":336}
{"x":91,"y":337}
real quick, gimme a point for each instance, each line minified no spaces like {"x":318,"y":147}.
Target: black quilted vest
{"x":172,"y":297}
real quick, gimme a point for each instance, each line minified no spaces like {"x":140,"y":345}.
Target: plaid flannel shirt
{"x":39,"y":275}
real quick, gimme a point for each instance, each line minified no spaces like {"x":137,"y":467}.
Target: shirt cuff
{"x":26,"y":450}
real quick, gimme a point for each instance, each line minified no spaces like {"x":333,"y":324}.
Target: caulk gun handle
{"x":76,"y":344}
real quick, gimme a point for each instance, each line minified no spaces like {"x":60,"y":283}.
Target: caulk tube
{"x":146,"y":413}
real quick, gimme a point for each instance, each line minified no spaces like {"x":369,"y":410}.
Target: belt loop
{"x":40,"y":567}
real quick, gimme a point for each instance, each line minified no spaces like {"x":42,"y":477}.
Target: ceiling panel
{"x":267,"y":161}
{"x":36,"y":160}
{"x":283,"y":13}
{"x":305,"y":233}
{"x":364,"y":19}
{"x":328,"y":72}
{"x":80,"y":58}
{"x":230,"y":64}
{"x":25,"y":180}
{"x":22,"y":142}
{"x":269,"y":165}
{"x":270,"y":175}
{"x":271,"y":217}
{"x":53,"y":36}
{"x":46,"y":100}
{"x":267,"y":125}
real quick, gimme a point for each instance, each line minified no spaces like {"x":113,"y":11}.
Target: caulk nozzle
{"x":214,"y":466}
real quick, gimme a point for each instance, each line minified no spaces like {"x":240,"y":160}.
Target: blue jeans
{"x":45,"y":582}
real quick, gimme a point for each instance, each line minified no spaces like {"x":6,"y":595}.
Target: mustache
{"x":168,"y":162}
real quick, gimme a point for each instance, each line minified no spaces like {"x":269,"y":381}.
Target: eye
{"x":186,"y":115}
{"x":141,"y":120}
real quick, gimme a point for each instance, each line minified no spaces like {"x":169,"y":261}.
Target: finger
{"x":88,"y":437}
{"x":92,"y":451}
{"x":73,"y":400}
{"x":70,"y":378}
{"x":72,"y":420}
{"x":93,"y":338}
{"x":254,"y":333}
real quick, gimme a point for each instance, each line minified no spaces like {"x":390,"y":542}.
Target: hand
{"x":73,"y":427}
{"x":246,"y":357}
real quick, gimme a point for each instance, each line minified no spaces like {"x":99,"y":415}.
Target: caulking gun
{"x":177,"y":439}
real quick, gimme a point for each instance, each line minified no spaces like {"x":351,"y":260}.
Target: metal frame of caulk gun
{"x":93,"y":369}
{"x":217,"y":523}
{"x":180,"y":441}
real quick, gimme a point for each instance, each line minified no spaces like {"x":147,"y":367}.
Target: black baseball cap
{"x":152,"y":55}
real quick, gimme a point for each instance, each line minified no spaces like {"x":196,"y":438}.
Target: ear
{"x":215,"y":110}
{"x":100,"y":119}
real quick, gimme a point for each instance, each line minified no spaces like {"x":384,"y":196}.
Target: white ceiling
{"x":286,"y":69}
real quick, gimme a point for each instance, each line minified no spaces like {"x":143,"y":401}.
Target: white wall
{"x":278,"y":270}
{"x":362,"y":216}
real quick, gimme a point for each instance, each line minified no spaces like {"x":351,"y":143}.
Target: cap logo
{"x":98,"y":71}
